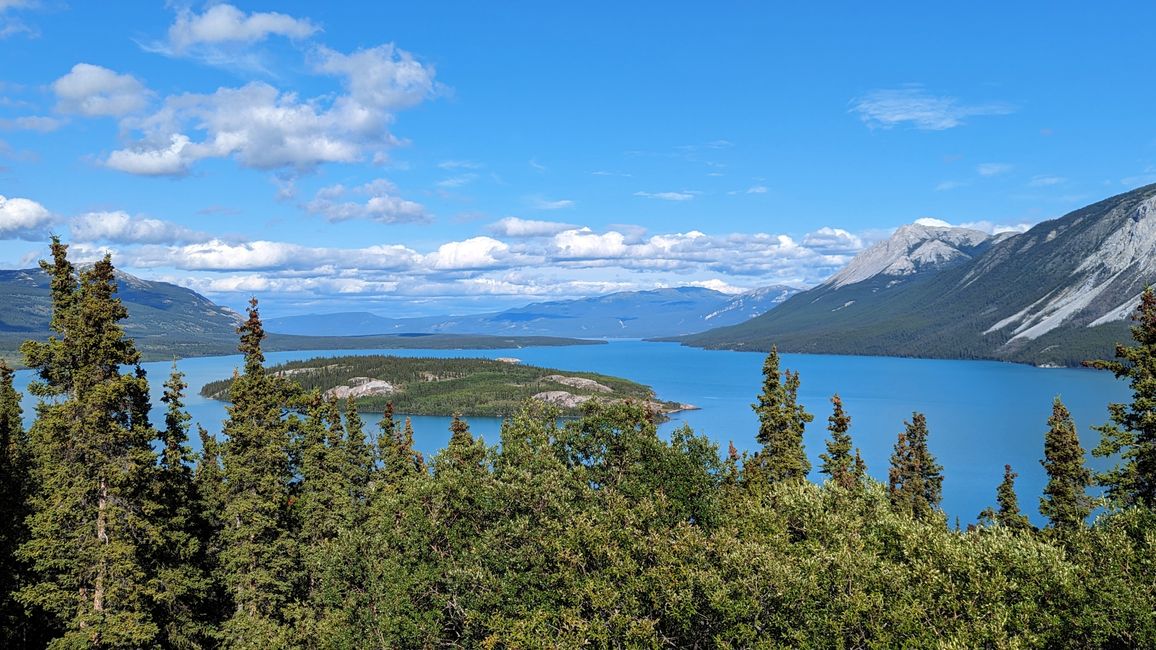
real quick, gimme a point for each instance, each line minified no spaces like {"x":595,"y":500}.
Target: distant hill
{"x":165,"y":319}
{"x":168,"y":320}
{"x":1057,"y":294}
{"x":628,"y":314}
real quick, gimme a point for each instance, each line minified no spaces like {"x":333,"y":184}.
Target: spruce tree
{"x":782,"y":421}
{"x":259,"y":558}
{"x":838,"y":463}
{"x":915,"y":479}
{"x":1008,"y":512}
{"x":1130,"y":433}
{"x":181,"y":582}
{"x":1065,"y":501}
{"x":14,"y":492}
{"x":93,"y":527}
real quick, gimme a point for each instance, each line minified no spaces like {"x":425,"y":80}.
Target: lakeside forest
{"x":297,"y":527}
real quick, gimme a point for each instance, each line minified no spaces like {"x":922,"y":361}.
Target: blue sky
{"x":417,"y":158}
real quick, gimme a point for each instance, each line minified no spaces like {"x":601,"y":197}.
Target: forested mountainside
{"x":1059,"y":293}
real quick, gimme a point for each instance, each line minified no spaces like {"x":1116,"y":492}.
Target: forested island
{"x":296,"y":526}
{"x":437,"y":386}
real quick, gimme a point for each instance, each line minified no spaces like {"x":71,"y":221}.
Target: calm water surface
{"x":980,"y":414}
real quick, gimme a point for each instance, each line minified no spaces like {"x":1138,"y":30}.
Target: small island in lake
{"x":471,"y":387}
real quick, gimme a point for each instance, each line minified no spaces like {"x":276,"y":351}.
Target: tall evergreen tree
{"x":93,"y":531}
{"x":838,"y":463}
{"x":181,"y":583}
{"x":1130,"y":434}
{"x":1008,"y":512}
{"x":915,"y":480}
{"x":14,"y":492}
{"x":1065,"y":501}
{"x":781,"y":423}
{"x":259,"y":558}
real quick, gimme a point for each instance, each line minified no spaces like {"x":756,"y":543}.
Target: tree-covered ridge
{"x":296,"y":528}
{"x":436,"y":386}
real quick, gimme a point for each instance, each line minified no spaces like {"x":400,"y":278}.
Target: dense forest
{"x":433,"y":386}
{"x":296,"y":527}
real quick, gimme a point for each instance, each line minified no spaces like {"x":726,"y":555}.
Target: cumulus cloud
{"x":833,"y":240}
{"x":121,"y":227}
{"x":96,"y":91}
{"x":385,"y":78}
{"x":264,"y":128}
{"x":915,"y":107}
{"x":667,"y":196}
{"x":23,"y":219}
{"x":224,"y":23}
{"x":584,"y":243}
{"x":222,"y":256}
{"x":473,"y":253}
{"x":381,"y":203}
{"x":516,"y":227}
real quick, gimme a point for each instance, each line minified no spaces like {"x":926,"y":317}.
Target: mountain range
{"x":1057,"y":294}
{"x":168,"y":321}
{"x":627,"y":314}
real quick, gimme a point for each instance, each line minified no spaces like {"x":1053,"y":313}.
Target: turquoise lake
{"x":980,"y":414}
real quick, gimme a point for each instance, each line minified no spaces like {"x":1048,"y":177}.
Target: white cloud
{"x":583,"y":243}
{"x":459,"y":164}
{"x":96,"y":91}
{"x":947,"y":186}
{"x":120,"y":227}
{"x":516,"y":227}
{"x":224,"y":23}
{"x":384,"y":78}
{"x":539,"y":203}
{"x":757,"y":189}
{"x":265,"y":128}
{"x":23,"y":219}
{"x":222,"y":256}
{"x":456,"y":181}
{"x":932,"y":222}
{"x":39,"y":123}
{"x":667,"y":196}
{"x":381,"y":204}
{"x":161,"y":161}
{"x":473,"y":253}
{"x":914,"y":106}
{"x":833,"y":240}
{"x":1046,"y":181}
{"x":993,"y":169}
{"x":989,"y":227}
{"x":11,"y":26}
{"x":996,"y":228}
{"x":716,"y":285}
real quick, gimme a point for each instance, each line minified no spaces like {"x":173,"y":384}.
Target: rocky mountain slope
{"x":1057,"y":294}
{"x":630,"y":314}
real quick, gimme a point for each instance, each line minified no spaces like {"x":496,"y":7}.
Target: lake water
{"x":980,"y":414}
